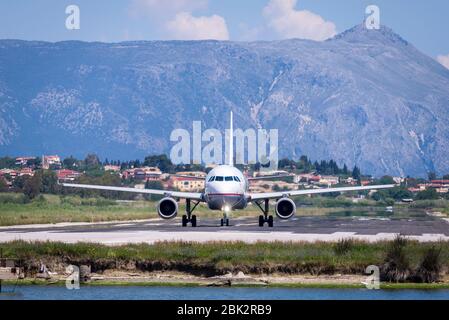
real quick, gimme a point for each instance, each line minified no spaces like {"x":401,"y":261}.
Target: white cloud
{"x":290,"y":23}
{"x":166,"y":7}
{"x":444,"y":60}
{"x":187,"y":27}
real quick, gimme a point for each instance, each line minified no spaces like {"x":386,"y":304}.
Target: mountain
{"x":365,"y":97}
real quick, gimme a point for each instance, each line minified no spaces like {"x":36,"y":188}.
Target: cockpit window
{"x":228,"y":179}
{"x":211,"y":179}
{"x":236,"y":179}
{"x":219,"y":179}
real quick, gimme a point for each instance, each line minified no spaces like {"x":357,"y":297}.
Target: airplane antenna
{"x":231,"y":143}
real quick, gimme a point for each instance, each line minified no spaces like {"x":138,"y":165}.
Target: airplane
{"x":226,"y":190}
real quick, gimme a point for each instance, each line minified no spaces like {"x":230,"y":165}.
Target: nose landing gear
{"x":225,"y":221}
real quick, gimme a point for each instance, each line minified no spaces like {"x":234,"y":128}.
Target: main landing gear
{"x":265,"y":218}
{"x":188,"y":217}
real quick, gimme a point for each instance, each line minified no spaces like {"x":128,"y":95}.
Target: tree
{"x":7,"y":162}
{"x":92,"y":160}
{"x":33,"y":186}
{"x":154,"y":185}
{"x":446,"y":177}
{"x":3,"y":185}
{"x":70,"y":163}
{"x":432,"y":176}
{"x":356,"y":173}
{"x":49,"y":182}
{"x":386,"y":180}
{"x":160,"y":161}
{"x":19,"y":182}
{"x":428,"y":194}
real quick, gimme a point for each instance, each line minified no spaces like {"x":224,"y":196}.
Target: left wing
{"x":166,"y":193}
{"x":292,"y":193}
{"x":269,"y":177}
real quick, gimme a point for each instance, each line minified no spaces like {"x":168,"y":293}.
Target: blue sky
{"x":423,"y":23}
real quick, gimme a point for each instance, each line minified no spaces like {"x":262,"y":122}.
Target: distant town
{"x":34,"y":175}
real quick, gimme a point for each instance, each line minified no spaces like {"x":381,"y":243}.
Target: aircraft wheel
{"x":222,"y":222}
{"x":184,"y":221}
{"x":261,"y":221}
{"x":194,"y":221}
{"x":227,"y":222}
{"x":270,"y":221}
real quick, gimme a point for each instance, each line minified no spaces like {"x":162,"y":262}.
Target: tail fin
{"x":231,"y":143}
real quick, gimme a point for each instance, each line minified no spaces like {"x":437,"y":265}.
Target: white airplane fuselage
{"x":226,"y":189}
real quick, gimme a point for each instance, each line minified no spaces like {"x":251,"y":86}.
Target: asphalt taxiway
{"x":308,"y":229}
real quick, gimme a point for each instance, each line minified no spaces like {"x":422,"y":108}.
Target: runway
{"x":309,"y":229}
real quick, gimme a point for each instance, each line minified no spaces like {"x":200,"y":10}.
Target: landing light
{"x":227,"y":209}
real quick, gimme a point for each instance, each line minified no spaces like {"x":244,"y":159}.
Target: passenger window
{"x":228,"y":179}
{"x":237,"y":179}
{"x":218,"y":178}
{"x":211,"y":179}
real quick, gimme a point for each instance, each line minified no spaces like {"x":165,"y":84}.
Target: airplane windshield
{"x":236,"y":179}
{"x":219,"y":178}
{"x":211,"y":179}
{"x":228,"y":179}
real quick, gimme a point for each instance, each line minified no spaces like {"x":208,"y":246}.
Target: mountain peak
{"x":360,"y":33}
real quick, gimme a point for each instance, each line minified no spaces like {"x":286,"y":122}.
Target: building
{"x":26,"y":172}
{"x":112,"y":168}
{"x":23,"y":161}
{"x":9,"y":172}
{"x":329,"y":180}
{"x":144,"y":174}
{"x":186,"y":184}
{"x":67,"y":175}
{"x":307,"y":177}
{"x":439,"y":183}
{"x":50,"y":161}
{"x":196,"y":174}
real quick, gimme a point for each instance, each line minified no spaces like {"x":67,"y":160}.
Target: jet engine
{"x":167,"y":208}
{"x":285,"y":208}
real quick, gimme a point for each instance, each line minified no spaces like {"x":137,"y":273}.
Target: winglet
{"x":231,"y":143}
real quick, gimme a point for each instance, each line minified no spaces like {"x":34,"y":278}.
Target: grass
{"x":14,"y":210}
{"x":220,"y":257}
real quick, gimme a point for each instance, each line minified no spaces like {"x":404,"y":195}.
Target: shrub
{"x":12,"y":199}
{"x":429,"y":269}
{"x":396,"y":266}
{"x":343,"y":246}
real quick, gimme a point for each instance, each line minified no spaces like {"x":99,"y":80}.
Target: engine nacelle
{"x":285,"y":208}
{"x":167,"y":208}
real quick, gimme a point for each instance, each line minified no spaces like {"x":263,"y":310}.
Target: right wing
{"x":166,"y":193}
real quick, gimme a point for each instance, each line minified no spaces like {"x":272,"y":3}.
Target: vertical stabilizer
{"x":231,"y":142}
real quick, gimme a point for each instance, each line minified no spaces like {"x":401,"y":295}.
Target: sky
{"x":423,"y":23}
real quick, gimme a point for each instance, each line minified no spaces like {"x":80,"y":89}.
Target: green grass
{"x":14,"y":210}
{"x":220,"y":257}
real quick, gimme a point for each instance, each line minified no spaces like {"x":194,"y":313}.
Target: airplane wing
{"x":292,"y":193}
{"x":269,"y":177}
{"x":166,"y":193}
